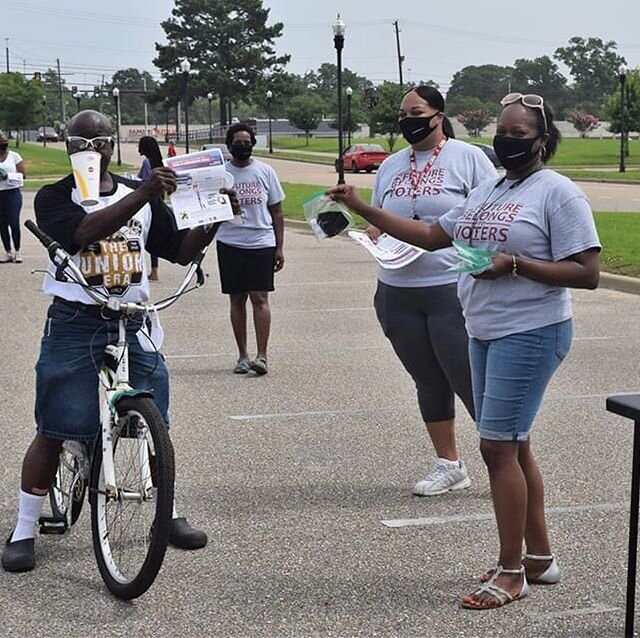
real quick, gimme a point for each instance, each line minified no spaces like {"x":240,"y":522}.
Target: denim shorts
{"x":71,"y":352}
{"x":510,"y":376}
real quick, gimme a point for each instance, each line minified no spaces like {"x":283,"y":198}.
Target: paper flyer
{"x":389,"y":252}
{"x":198,"y":200}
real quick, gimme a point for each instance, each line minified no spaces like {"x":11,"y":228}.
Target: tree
{"x":541,"y":76}
{"x":594,"y":67}
{"x":463,"y":104}
{"x":611,"y":107}
{"x":475,"y":120}
{"x":305,"y":112}
{"x":228,"y":43}
{"x":583,"y":122}
{"x":489,"y":83}
{"x":384,"y":114}
{"x":21,"y":101}
{"x":284,"y":87}
{"x":131,"y":83}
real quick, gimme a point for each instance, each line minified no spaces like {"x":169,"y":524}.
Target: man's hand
{"x":348,"y":195}
{"x":278,"y":260}
{"x":161,"y":180}
{"x":233,"y":198}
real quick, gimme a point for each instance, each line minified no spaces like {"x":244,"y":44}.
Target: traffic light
{"x":74,"y":90}
{"x":370,"y":97}
{"x":37,"y":76}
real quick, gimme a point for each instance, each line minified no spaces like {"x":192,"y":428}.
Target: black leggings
{"x":10,"y":206}
{"x":426,"y":329}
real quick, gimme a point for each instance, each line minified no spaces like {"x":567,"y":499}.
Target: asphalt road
{"x":302,"y":478}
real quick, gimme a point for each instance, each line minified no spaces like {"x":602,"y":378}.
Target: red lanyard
{"x":416,"y":177}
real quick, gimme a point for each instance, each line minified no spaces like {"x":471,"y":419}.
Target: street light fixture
{"x":349,"y":92}
{"x":77,"y":95}
{"x":269,"y":98}
{"x":210,"y":98}
{"x":338,"y":41}
{"x":185,"y":67}
{"x":622,"y":75}
{"x":116,"y":97}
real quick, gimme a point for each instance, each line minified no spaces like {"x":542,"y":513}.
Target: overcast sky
{"x":93,"y":38}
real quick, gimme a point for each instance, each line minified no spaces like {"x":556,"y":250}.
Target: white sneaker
{"x":6,"y":258}
{"x":17,"y":258}
{"x":446,"y":476}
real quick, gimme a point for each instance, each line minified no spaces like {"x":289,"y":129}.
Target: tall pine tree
{"x":228,"y":43}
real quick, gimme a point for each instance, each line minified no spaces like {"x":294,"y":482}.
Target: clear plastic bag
{"x":326,"y":217}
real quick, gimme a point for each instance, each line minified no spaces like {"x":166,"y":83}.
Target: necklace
{"x":486,"y":204}
{"x":416,"y":177}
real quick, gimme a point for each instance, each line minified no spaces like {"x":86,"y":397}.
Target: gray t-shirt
{"x":458,"y":169}
{"x":257,"y":187}
{"x":545,"y":217}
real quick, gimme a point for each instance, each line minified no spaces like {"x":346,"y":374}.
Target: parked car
{"x":362,"y":157}
{"x":489,"y":152}
{"x":46,"y":133}
{"x":222,"y":147}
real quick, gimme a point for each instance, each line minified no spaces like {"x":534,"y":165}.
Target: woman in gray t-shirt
{"x":540,"y":227}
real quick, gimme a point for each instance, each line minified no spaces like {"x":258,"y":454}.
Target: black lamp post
{"x":77,"y":97}
{"x":116,"y":97}
{"x":338,"y":41}
{"x":269,"y":98}
{"x":622,"y":75}
{"x":349,"y":92}
{"x":44,"y":128}
{"x":185,"y":66}
{"x":210,"y":98}
{"x":166,"y":130}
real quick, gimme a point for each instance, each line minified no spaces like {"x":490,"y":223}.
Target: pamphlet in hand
{"x":474,"y":260}
{"x":15,"y":179}
{"x":390,"y":253}
{"x":198,"y":200}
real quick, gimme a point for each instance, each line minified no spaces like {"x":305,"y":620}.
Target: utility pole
{"x":146,"y":112}
{"x":400,"y":56}
{"x":62,"y":109}
{"x":6,"y":46}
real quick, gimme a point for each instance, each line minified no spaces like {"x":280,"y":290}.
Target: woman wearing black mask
{"x":250,"y":249}
{"x":417,"y":306}
{"x":518,"y":313}
{"x":10,"y":201}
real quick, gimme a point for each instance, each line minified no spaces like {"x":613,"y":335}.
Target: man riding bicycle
{"x":108,"y":242}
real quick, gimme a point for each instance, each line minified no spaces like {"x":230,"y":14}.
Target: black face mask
{"x":241,"y":152}
{"x":416,"y":129}
{"x":514,"y":152}
{"x":3,"y":147}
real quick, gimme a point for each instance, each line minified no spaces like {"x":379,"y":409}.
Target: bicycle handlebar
{"x":63,"y":262}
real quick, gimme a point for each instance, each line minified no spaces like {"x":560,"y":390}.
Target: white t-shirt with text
{"x":9,"y":165}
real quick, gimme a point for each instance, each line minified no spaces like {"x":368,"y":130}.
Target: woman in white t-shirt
{"x":417,"y":305}
{"x":539,"y":227}
{"x":11,"y":164}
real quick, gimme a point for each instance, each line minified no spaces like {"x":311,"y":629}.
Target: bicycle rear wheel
{"x":131,"y":530}
{"x":69,"y":486}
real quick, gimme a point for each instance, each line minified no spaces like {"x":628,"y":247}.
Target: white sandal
{"x":501,"y":596}
{"x":549,"y":576}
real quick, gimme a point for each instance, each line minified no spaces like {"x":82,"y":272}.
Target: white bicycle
{"x":129,"y":468}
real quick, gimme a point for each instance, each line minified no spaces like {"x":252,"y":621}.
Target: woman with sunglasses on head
{"x":417,"y":306}
{"x":10,"y":202}
{"x":518,"y":314}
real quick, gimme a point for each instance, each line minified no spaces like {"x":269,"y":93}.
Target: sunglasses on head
{"x":530,"y":100}
{"x":77,"y":143}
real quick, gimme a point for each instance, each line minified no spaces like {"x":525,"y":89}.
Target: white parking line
{"x":257,"y":417}
{"x":567,"y":613}
{"x":461,"y":518}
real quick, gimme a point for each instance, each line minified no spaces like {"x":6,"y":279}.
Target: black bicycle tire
{"x":76,"y":504}
{"x":164,"y":482}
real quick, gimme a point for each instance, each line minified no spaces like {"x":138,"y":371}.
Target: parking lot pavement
{"x":302,"y":478}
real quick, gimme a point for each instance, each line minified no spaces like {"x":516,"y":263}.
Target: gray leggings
{"x":426,"y":329}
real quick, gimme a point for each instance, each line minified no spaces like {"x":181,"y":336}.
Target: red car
{"x":363,"y":157}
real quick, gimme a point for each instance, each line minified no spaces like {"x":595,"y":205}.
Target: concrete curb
{"x":608,"y":280}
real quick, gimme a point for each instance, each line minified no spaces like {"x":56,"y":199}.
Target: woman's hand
{"x":233,"y":199}
{"x":348,"y":195}
{"x":502,"y":264}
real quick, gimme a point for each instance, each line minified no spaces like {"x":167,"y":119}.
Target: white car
{"x":222,"y":147}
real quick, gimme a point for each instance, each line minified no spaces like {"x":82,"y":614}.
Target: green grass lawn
{"x":571,"y":152}
{"x":40,"y":161}
{"x":618,"y":232}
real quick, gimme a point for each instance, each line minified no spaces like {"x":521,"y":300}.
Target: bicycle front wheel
{"x":69,"y":485}
{"x":130,"y":527}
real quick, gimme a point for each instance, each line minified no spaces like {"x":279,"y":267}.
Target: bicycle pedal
{"x":52,"y":525}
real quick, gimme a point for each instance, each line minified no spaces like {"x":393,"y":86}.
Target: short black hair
{"x":236,"y":128}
